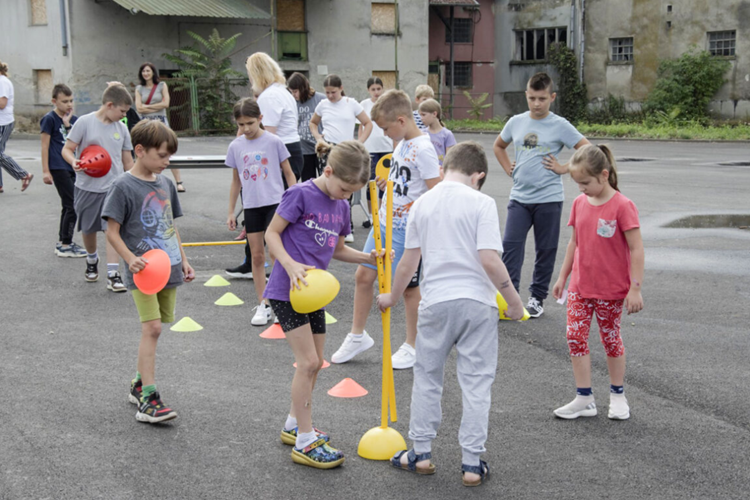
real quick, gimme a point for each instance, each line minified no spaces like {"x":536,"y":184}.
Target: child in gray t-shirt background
{"x":537,"y":196}
{"x":102,"y":128}
{"x":140,"y":208}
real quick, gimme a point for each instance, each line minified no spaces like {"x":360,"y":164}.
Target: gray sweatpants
{"x":472,"y":327}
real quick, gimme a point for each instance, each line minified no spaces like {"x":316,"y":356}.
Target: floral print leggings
{"x":608,"y":313}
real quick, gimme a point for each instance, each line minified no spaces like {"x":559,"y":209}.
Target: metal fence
{"x":203,"y":105}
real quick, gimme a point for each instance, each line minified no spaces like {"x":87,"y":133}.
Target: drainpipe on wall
{"x":583,"y":39}
{"x":63,"y":28}
{"x":572,"y":29}
{"x":273,"y":30}
{"x":453,"y":72}
{"x":395,"y":38}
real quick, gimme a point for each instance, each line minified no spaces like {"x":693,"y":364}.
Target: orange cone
{"x":326,"y":364}
{"x":347,"y":388}
{"x":275,"y":332}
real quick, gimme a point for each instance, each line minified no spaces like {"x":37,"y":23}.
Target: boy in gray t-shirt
{"x":102,"y":128}
{"x":141,"y":207}
{"x":536,"y":199}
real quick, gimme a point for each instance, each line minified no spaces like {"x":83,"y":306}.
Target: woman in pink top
{"x":605,"y":261}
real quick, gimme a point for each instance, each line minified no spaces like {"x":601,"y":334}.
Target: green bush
{"x":685,"y":86}
{"x":571,"y":91}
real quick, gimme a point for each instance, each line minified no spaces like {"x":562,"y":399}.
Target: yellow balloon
{"x":322,"y":287}
{"x":502,"y":306}
{"x":383,"y":168}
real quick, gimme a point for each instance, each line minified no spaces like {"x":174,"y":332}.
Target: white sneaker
{"x":262,"y":315}
{"x":349,"y":238}
{"x":581,"y":406}
{"x":352,"y":345}
{"x":404,"y":358}
{"x":618,"y":407}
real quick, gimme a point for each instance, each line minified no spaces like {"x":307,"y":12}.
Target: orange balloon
{"x":154,"y":277}
{"x":95,"y":161}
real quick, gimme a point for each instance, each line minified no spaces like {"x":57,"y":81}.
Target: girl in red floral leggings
{"x":605,"y":262}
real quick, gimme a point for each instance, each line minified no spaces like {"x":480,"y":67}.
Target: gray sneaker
{"x":72,"y":250}
{"x":115,"y":283}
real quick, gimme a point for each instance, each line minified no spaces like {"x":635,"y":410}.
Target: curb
{"x":610,"y":138}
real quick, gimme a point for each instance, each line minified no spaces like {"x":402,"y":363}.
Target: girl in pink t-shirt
{"x":605,"y":263}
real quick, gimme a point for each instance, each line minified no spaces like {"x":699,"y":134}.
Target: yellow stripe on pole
{"x":388,"y":280}
{"x":381,"y":288}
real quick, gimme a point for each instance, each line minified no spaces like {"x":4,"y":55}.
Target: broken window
{"x":463,"y":28}
{"x":621,"y":49}
{"x":722,"y":43}
{"x":533,"y":45}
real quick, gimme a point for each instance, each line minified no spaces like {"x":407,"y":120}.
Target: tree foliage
{"x":477,"y":105}
{"x":571,"y":92}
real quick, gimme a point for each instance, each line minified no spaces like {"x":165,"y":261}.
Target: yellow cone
{"x":502,"y":306}
{"x":380,"y":443}
{"x":186,"y":325}
{"x":229,"y":299}
{"x":216,"y":280}
{"x":330,"y":319}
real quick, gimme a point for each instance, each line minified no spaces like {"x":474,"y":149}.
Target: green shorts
{"x":159,"y":306}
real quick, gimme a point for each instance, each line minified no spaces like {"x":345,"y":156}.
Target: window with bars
{"x":463,"y":74}
{"x":533,"y":45}
{"x":463,"y":28}
{"x":621,"y":49}
{"x":722,"y":43}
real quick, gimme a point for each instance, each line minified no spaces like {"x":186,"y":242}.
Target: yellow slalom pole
{"x":213,"y":243}
{"x":382,"y":287}
{"x":387,"y":321}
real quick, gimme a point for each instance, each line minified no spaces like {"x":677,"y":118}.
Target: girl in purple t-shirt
{"x":307,"y":231}
{"x":432,"y":116}
{"x":258,"y":159}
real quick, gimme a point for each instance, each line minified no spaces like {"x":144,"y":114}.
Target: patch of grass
{"x":686,"y":131}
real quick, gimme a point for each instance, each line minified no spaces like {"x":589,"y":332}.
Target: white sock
{"x":306,"y":439}
{"x":291,"y":423}
{"x":92,"y":258}
{"x":357,"y":336}
{"x":112,"y":269}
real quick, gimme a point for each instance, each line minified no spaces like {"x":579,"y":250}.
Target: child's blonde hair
{"x":593,"y":160}
{"x":391,"y":105}
{"x":263,"y":71}
{"x":424,"y":91}
{"x":350,"y":162}
{"x":432,"y":106}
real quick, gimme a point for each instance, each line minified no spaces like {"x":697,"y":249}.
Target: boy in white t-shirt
{"x":414,"y":170}
{"x":456,"y":231}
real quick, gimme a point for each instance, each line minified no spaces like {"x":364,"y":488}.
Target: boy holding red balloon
{"x":96,"y":169}
{"x":140,"y":209}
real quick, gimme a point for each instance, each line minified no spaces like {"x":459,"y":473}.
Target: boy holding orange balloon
{"x":458,"y":306}
{"x":140,"y":209}
{"x":101,"y":128}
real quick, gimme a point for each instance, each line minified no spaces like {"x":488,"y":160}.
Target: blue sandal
{"x":482,"y":469}
{"x":412,"y":459}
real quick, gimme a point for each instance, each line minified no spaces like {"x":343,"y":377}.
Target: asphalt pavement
{"x":68,"y":351}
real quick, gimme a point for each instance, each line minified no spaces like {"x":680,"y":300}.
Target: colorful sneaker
{"x":136,"y":391}
{"x":352,"y":345}
{"x":71,"y":250}
{"x":318,"y":455}
{"x":153,"y":410}
{"x":290,"y":437}
{"x":115,"y":283}
{"x":534,"y":307}
{"x":58,"y":246}
{"x":92,"y":271}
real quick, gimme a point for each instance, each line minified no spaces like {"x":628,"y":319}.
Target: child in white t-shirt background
{"x":378,"y":145}
{"x":442,"y":138}
{"x":338,"y":114}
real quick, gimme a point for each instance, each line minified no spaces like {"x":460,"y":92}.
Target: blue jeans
{"x":545,"y":218}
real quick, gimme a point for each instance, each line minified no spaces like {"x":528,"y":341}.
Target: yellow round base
{"x":380,"y":443}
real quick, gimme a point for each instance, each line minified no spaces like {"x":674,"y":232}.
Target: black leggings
{"x":65,"y":183}
{"x":289,"y":319}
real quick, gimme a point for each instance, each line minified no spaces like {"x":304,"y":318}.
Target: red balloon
{"x":154,"y":277}
{"x":95,"y":161}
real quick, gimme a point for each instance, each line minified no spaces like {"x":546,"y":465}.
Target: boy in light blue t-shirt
{"x":537,"y":196}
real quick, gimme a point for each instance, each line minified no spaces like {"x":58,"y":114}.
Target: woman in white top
{"x":278,"y":107}
{"x":152,"y":101}
{"x":377,"y":144}
{"x":6,"y":127}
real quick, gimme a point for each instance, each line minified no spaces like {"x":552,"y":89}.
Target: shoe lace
{"x":533,"y":302}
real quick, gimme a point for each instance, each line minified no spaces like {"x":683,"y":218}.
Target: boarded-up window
{"x":38,"y":12}
{"x":383,"y":19}
{"x":388,"y":77}
{"x":43,"y":84}
{"x":290,"y":15}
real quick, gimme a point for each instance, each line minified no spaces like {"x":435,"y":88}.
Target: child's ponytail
{"x":247,"y":107}
{"x":334,"y":81}
{"x":595,"y":159}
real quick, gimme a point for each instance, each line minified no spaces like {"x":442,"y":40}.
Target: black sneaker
{"x":92,"y":271}
{"x":534,"y":307}
{"x":136,"y":391}
{"x":115,"y":283}
{"x":244,"y":270}
{"x":153,"y":410}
